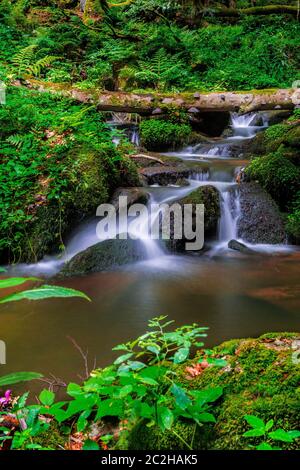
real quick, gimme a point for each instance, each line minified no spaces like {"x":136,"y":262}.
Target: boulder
{"x":209,"y":196}
{"x":104,"y":256}
{"x":260,"y":221}
{"x":134,"y":195}
{"x":238,"y":246}
{"x":164,"y":175}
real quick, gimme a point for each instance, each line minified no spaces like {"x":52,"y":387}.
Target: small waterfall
{"x":230,"y":213}
{"x":246,"y":125}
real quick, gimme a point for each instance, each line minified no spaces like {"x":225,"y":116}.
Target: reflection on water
{"x":235,"y":296}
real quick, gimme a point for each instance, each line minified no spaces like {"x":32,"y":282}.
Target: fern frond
{"x":23,"y":59}
{"x":36,"y":68}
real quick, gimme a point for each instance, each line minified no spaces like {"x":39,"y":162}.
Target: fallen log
{"x":157,"y":103}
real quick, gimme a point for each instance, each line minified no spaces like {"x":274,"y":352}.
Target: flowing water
{"x":236,"y":295}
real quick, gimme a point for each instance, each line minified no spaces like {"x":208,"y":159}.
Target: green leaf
{"x":206,"y":418}
{"x":47,"y":397}
{"x":256,"y":432}
{"x":154,"y":349}
{"x":255,"y":422}
{"x":17,"y":377}
{"x":264,"y":446}
{"x":166,"y":417}
{"x":181,"y":355}
{"x":294,"y":434}
{"x":216,"y":362}
{"x":147,"y":380}
{"x":269,"y":424}
{"x":181,"y":398}
{"x":123,"y":358}
{"x":90,"y":445}
{"x":281,"y":435}
{"x":45,"y":292}
{"x":2,"y":270}
{"x":74,"y":389}
{"x":207,"y":396}
{"x":15,"y":281}
{"x":124,"y":391}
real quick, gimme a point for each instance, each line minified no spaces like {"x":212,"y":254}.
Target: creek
{"x":234,"y":294}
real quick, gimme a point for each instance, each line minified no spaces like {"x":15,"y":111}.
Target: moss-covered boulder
{"x":157,"y":135}
{"x":104,"y":256}
{"x":262,"y":378}
{"x":210,"y":198}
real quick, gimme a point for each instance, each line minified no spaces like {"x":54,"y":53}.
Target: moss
{"x":260,"y":378}
{"x":275,"y":173}
{"x":209,"y":197}
{"x":52,"y":438}
{"x":157,"y":135}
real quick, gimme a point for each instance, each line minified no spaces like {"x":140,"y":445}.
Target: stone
{"x":104,"y":256}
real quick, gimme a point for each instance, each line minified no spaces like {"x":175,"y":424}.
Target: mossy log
{"x":156,"y":103}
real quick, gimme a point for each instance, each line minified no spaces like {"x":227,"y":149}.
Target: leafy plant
{"x":264,"y":430}
{"x":141,"y":386}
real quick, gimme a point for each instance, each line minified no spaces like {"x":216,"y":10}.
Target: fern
{"x":23,"y":59}
{"x":36,"y":68}
{"x":17,"y":140}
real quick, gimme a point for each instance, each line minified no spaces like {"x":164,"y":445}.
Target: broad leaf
{"x":15,"y":281}
{"x":254,"y":421}
{"x":166,"y":417}
{"x":256,"y":432}
{"x":17,"y":377}
{"x":45,"y":292}
{"x":90,"y":445}
{"x":181,"y":355}
{"x":47,"y":397}
{"x":123,"y":358}
{"x":181,"y":398}
{"x":264,"y":446}
{"x":281,"y":435}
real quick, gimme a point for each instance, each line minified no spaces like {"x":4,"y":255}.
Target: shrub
{"x":162,"y":135}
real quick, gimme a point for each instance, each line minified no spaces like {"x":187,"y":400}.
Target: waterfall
{"x":246,"y":125}
{"x":230,"y":213}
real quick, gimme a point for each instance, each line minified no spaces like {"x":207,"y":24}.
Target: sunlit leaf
{"x":17,"y":377}
{"x":44,"y":292}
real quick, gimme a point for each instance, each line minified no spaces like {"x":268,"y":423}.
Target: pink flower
{"x":6,"y":398}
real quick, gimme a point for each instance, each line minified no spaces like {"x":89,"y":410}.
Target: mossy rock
{"x":104,"y":256}
{"x":91,"y":179}
{"x":157,"y":135}
{"x":210,"y":198}
{"x":260,"y":378}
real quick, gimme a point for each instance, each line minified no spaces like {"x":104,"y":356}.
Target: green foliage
{"x":261,"y":429}
{"x":57,"y":165}
{"x":142,"y":386}
{"x":277,"y":175}
{"x":163,"y":135}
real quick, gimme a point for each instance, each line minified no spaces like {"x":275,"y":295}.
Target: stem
{"x":181,"y":439}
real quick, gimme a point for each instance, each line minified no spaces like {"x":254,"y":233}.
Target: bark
{"x":157,"y":103}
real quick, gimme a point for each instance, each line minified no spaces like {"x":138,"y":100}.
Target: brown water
{"x":234,"y":295}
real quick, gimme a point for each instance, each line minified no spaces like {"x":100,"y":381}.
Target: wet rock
{"x":238,"y":246}
{"x":207,"y":195}
{"x":104,"y":256}
{"x":164,"y":175}
{"x":260,"y":221}
{"x":134,"y":195}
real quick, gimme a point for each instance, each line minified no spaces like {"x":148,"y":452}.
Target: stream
{"x":234,"y":294}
